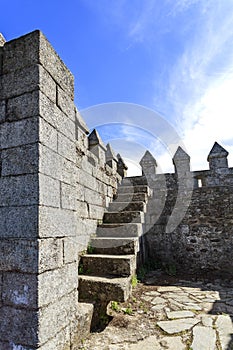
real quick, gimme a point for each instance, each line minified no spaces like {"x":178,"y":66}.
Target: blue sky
{"x":174,"y":57}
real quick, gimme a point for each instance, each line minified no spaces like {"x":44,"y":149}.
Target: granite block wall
{"x":53,"y":192}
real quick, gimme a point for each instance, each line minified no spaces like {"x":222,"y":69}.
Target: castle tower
{"x":217,"y":157}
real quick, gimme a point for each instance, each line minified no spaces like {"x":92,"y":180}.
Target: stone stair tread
{"x":103,"y":264}
{"x":134,"y":189}
{"x":134,"y":180}
{"x":114,"y":245}
{"x":132,"y":197}
{"x":104,"y":256}
{"x":123,"y":217}
{"x":104,"y":288}
{"x":127,"y":206}
{"x":119,"y":230}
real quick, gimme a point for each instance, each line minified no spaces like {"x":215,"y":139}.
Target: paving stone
{"x":168,"y":289}
{"x":179,"y":314}
{"x":157,"y":307}
{"x":152,"y":293}
{"x":207,"y":321}
{"x":172,"y":343}
{"x":225,"y":331}
{"x":204,"y":338}
{"x":169,"y":343}
{"x":176,"y":326}
{"x":158,"y":300}
{"x":190,"y":306}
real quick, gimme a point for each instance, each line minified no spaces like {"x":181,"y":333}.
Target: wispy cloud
{"x":191,"y":44}
{"x":201,"y":81}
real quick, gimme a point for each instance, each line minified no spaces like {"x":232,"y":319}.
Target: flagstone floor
{"x":177,"y":314}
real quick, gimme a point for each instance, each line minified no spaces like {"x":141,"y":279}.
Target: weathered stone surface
{"x":23,"y":106}
{"x":19,"y":191}
{"x":114,"y":246}
{"x":56,"y":222}
{"x":34,"y":48}
{"x":61,"y":341}
{"x":119,"y":230}
{"x":19,"y":133}
{"x":176,"y":326}
{"x":93,"y":197}
{"x":18,"y":326}
{"x":20,"y":290}
{"x":103,"y":265}
{"x":96,"y":212}
{"x":66,"y":148}
{"x":64,"y":171}
{"x":83,"y":210}
{"x":55,"y":66}
{"x":19,"y":222}
{"x":158,"y":300}
{"x":50,"y":254}
{"x":68,"y":198}
{"x":49,"y":191}
{"x":225,"y":331}
{"x":27,"y":80}
{"x":58,"y":314}
{"x":65,"y":103}
{"x":2,"y":111}
{"x":152,"y":342}
{"x":104,"y":289}
{"x":179,"y":314}
{"x":81,"y":328}
{"x":133,"y":206}
{"x":203,"y":338}
{"x":52,"y":285}
{"x":19,"y":255}
{"x":54,"y":116}
{"x":48,"y":135}
{"x":71,"y":248}
{"x":123,"y":217}
{"x":20,"y":160}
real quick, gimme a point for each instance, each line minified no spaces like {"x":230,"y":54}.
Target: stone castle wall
{"x":189,"y":220}
{"x":54,"y":187}
{"x":57,"y":179}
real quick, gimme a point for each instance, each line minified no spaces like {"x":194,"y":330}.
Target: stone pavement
{"x":184,"y":315}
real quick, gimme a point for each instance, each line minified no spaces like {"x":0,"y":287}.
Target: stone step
{"x":134,"y":180}
{"x":103,"y":265}
{"x":135,"y":189}
{"x":131,"y":206}
{"x":93,"y":288}
{"x":123,"y":217}
{"x":114,"y":246}
{"x":131,"y":197}
{"x":119,"y":230}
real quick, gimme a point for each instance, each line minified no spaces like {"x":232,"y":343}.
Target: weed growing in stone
{"x":134,"y":281}
{"x":115,"y":306}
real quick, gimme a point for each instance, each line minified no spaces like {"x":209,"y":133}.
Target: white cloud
{"x":201,"y":83}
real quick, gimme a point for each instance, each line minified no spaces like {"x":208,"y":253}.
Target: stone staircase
{"x":111,"y":261}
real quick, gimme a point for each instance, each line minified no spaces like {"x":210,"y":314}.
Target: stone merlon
{"x":148,"y":164}
{"x":95,"y":140}
{"x":110,"y":155}
{"x":180,"y":155}
{"x":217,"y":157}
